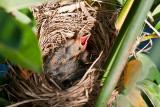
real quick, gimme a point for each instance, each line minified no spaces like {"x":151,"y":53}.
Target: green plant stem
{"x":124,"y":13}
{"x":114,"y":52}
{"x":123,"y":45}
{"x":120,"y":21}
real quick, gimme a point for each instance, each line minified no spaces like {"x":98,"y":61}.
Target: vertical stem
{"x":120,"y":21}
{"x":125,"y":40}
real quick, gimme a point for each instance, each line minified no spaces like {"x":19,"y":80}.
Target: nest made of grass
{"x":57,"y":22}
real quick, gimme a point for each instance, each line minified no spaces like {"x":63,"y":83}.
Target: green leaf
{"x":122,"y":101}
{"x":157,"y":27}
{"x":4,"y":102}
{"x":154,"y":52}
{"x":156,"y":12}
{"x":153,"y":75}
{"x":18,"y":43}
{"x":24,"y":19}
{"x":11,"y":5}
{"x":147,"y":63}
{"x":151,"y":85}
{"x":29,"y":14}
{"x":152,"y":95}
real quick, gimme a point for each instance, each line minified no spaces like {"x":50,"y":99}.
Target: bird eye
{"x":79,"y":48}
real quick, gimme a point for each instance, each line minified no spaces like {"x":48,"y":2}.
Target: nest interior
{"x":58,"y":22}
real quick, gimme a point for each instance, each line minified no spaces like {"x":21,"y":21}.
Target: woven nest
{"x":57,"y":22}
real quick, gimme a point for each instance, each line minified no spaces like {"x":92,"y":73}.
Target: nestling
{"x":68,"y":64}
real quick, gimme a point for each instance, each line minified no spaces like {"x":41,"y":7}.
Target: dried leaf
{"x":132,"y":71}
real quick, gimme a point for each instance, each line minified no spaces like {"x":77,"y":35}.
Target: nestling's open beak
{"x":84,"y":41}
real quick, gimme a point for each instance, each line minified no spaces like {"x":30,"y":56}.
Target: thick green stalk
{"x":120,"y":21}
{"x":125,"y":40}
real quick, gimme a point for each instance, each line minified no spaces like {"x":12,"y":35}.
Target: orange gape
{"x":25,"y":74}
{"x":68,"y":63}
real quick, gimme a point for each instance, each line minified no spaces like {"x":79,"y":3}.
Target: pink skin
{"x":84,"y":40}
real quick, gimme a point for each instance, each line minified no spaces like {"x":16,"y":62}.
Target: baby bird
{"x":68,"y":64}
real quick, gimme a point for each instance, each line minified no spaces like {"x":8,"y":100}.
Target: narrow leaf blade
{"x":151,"y":85}
{"x":152,"y":95}
{"x":156,"y":12}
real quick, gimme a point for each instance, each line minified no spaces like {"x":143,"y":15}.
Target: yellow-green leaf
{"x":150,"y":37}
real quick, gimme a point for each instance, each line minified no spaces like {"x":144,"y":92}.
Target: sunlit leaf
{"x":156,"y":12}
{"x":151,"y":85}
{"x":18,"y":43}
{"x":24,"y":19}
{"x":135,"y":98}
{"x":11,"y":5}
{"x":21,"y":17}
{"x":150,"y":37}
{"x":157,"y":27}
{"x":132,"y":71}
{"x":29,"y":14}
{"x":152,"y":95}
{"x":122,"y":16}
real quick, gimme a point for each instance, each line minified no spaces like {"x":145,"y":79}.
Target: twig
{"x":152,"y":27}
{"x":26,"y":101}
{"x":90,"y":69}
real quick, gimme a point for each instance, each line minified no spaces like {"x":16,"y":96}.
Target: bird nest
{"x":58,"y":22}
